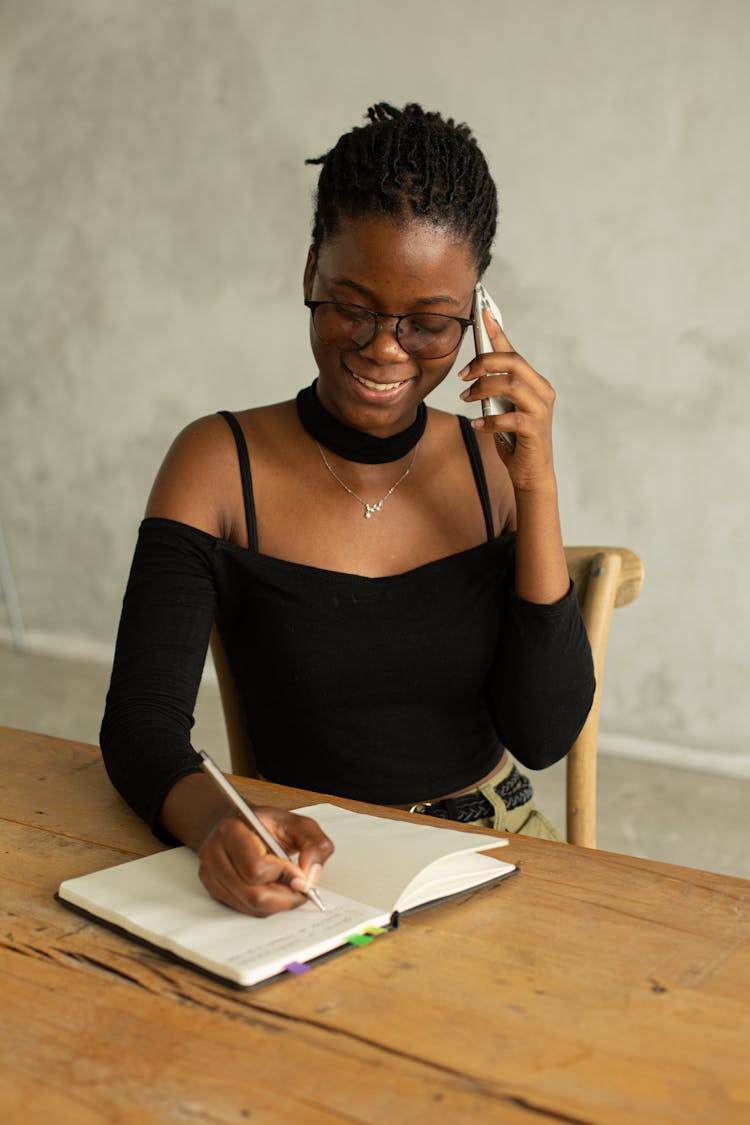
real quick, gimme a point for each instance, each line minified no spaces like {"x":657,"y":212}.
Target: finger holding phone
{"x":517,"y":402}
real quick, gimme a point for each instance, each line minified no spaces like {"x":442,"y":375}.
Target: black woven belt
{"x":513,"y":790}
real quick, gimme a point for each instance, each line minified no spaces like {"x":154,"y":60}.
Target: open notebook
{"x":380,"y":868}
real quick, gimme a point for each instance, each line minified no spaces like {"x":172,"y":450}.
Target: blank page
{"x":377,"y":859}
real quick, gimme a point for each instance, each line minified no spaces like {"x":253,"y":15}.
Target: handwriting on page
{"x":308,"y":929}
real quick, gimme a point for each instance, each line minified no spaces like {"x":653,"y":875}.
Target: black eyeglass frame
{"x":398,"y":317}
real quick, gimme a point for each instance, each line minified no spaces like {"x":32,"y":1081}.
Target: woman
{"x":388,"y":581}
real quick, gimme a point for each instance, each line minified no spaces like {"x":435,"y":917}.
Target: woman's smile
{"x":379,"y":387}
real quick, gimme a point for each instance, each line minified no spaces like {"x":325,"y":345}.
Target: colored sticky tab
{"x":375,"y":930}
{"x":297,"y":968}
{"x":359,"y":939}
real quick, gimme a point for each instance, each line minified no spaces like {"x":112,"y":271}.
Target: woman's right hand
{"x":237,"y":869}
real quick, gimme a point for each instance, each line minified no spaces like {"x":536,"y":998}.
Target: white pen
{"x":251,"y":818}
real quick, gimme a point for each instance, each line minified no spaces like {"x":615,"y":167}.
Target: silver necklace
{"x":369,"y":509}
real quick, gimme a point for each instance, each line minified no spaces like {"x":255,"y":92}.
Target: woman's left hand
{"x":503,"y":372}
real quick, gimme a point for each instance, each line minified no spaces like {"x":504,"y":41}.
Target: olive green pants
{"x":525,"y":819}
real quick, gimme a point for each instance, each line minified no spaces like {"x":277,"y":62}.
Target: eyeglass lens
{"x":431,"y":335}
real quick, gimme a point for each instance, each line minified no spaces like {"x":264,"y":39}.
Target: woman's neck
{"x":356,"y":445}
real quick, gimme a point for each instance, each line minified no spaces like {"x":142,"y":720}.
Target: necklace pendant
{"x":369,"y":510}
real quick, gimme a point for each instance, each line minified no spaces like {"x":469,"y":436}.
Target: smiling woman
{"x":393,"y":658}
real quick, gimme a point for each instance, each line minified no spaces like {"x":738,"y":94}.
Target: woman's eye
{"x":427,"y":325}
{"x":352,"y":314}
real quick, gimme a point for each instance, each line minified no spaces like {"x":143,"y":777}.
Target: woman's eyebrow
{"x":439,"y":298}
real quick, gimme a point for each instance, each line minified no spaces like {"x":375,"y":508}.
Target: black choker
{"x":355,"y":445}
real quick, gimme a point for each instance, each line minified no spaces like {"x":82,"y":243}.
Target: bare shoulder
{"x":199,"y":481}
{"x":266,"y":428}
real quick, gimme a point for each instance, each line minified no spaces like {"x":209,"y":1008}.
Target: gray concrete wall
{"x":154,"y":215}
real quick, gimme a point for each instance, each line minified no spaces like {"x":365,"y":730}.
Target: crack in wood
{"x":546,"y":1112}
{"x":101,"y":966}
{"x":479,"y":1085}
{"x":26,"y":950}
{"x":235,"y":1008}
{"x":56,"y":954}
{"x":236,"y":1016}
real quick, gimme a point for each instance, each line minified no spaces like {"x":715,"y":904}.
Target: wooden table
{"x":591,"y":988}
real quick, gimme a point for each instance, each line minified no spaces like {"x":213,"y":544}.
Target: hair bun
{"x":408,"y":161}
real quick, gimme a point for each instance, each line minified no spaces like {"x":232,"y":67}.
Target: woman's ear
{"x":309,"y":274}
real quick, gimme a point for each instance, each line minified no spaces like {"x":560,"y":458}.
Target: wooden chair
{"x":605,"y":578}
{"x":241,"y":753}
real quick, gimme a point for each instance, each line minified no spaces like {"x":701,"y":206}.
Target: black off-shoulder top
{"x":390,"y":690}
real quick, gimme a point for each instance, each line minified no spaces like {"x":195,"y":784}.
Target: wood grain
{"x":605,"y":578}
{"x":631,"y":573}
{"x":591,"y":988}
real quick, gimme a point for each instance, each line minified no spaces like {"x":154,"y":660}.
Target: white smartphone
{"x":493,"y":404}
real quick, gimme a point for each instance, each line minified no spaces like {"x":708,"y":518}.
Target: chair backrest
{"x":241,"y":753}
{"x":605,"y":579}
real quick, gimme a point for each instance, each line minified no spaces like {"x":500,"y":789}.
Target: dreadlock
{"x":405,"y":163}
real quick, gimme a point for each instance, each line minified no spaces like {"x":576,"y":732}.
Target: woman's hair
{"x":408,"y":162}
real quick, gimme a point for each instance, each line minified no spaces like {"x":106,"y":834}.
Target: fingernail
{"x":314,"y":874}
{"x":465,"y":394}
{"x":311,"y":879}
{"x":478,"y":423}
{"x":462,"y":372}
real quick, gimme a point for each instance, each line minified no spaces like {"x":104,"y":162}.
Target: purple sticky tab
{"x":297,"y":968}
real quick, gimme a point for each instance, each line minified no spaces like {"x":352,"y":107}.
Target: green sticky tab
{"x":359,"y":939}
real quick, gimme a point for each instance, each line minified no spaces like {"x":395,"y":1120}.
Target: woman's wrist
{"x":192,"y":808}
{"x":539,"y":489}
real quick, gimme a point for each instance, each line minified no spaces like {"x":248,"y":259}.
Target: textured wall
{"x":154,"y":214}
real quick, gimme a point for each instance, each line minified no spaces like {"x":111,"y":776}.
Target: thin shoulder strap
{"x":247,"y":480}
{"x":477,"y":468}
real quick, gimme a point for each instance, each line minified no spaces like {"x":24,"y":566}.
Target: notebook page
{"x":451,"y":875}
{"x":376,"y":859}
{"x":160,"y":898}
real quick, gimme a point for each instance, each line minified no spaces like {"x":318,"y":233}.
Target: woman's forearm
{"x":541,"y":570}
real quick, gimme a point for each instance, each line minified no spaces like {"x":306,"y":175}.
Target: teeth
{"x":376,"y":386}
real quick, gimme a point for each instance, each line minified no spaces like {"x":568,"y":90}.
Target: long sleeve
{"x":542,"y":684}
{"x":167,"y":613}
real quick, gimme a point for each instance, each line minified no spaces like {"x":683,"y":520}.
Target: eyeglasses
{"x":429,"y":335}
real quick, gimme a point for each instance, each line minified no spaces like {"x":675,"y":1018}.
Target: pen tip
{"x":314,"y":897}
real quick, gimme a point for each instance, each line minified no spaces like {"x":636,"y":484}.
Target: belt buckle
{"x":421,"y":807}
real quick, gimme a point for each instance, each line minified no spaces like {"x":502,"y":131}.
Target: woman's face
{"x":386,"y":267}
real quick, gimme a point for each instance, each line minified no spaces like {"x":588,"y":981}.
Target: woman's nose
{"x":384,"y":346}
